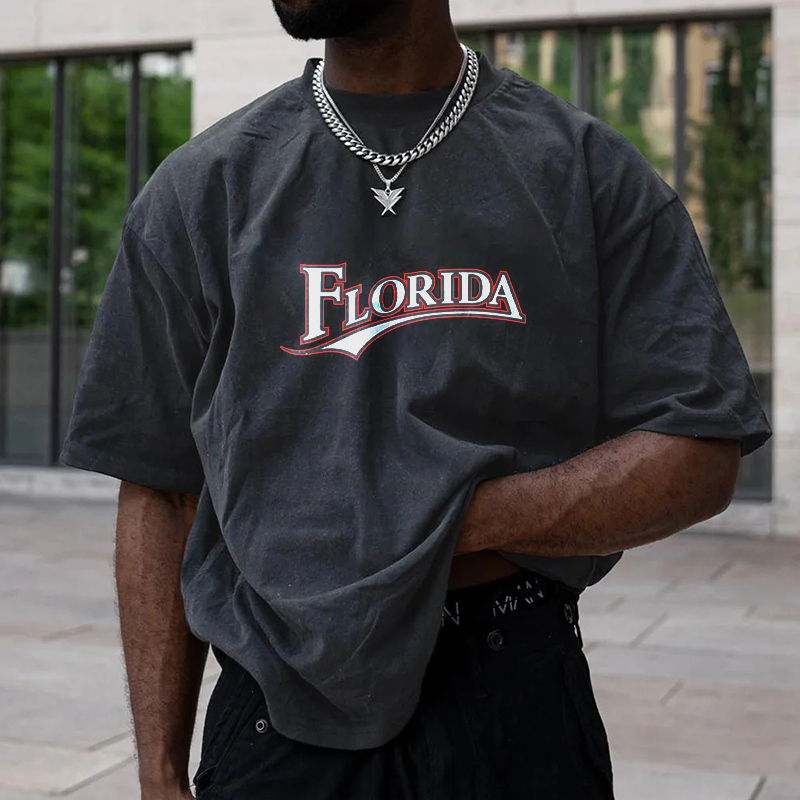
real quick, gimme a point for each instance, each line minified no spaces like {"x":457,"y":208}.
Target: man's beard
{"x":328,"y":19}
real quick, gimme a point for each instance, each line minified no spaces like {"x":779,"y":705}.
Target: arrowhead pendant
{"x":388,"y":197}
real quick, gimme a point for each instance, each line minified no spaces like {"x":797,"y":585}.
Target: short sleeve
{"x":671,"y":360}
{"x":132,"y":413}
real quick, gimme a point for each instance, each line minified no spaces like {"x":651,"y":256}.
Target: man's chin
{"x":292,"y":6}
{"x":300,"y":19}
{"x":326,"y":19}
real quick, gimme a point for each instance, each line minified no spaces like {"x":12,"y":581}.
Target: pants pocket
{"x":592,"y":733}
{"x":227,"y":713}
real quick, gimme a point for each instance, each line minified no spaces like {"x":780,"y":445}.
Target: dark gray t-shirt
{"x":333,"y":382}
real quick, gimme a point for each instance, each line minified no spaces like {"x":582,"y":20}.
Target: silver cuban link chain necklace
{"x":465,"y":86}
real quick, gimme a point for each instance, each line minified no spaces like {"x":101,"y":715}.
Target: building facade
{"x":94,"y":93}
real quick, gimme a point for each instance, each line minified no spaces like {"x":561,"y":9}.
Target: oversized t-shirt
{"x":333,"y":381}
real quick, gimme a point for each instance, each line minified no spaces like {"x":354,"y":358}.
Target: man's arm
{"x":624,"y":493}
{"x":163,"y":660}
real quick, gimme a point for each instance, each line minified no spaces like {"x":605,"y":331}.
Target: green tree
{"x":621,"y":102}
{"x":733,"y":149}
{"x":96,"y":174}
{"x":98,"y":157}
{"x":25,"y":190}
{"x":168,"y":109}
{"x":97,"y":196}
{"x":561,"y":84}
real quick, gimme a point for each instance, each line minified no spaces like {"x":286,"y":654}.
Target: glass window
{"x":166,"y":99}
{"x":545,"y":57}
{"x":26,"y":95}
{"x":633,"y":80}
{"x":97,"y":170}
{"x":96,"y":199}
{"x":729,"y":192}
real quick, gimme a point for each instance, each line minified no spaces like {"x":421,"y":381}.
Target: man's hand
{"x":624,"y":493}
{"x":163,"y":660}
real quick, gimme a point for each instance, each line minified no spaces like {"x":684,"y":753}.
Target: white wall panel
{"x":476,"y":12}
{"x":786,"y":254}
{"x":619,"y":8}
{"x":233,"y":71}
{"x":786,"y":270}
{"x":157,"y":20}
{"x":786,"y":167}
{"x":77,"y":23}
{"x":786,"y":75}
{"x":786,"y":483}
{"x":231,"y":17}
{"x":18,"y":20}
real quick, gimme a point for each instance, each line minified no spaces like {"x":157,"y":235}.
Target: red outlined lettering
{"x":376,"y":295}
{"x":320,"y":294}
{"x":466,"y":278}
{"x":413,"y":298}
{"x":415,"y":290}
{"x":352,"y":317}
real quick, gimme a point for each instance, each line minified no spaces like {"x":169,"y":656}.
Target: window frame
{"x":58,"y":217}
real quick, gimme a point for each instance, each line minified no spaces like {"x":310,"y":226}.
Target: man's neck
{"x":412,"y":49}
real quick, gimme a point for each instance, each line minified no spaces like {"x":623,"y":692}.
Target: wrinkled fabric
{"x":333,"y":381}
{"x":507,"y":712}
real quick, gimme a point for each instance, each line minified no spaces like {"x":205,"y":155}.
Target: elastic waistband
{"x":484,"y":605}
{"x":504,"y":597}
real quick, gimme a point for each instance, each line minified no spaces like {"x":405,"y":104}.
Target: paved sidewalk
{"x":694,"y":645}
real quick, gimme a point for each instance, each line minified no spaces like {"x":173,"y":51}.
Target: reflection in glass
{"x":26,"y":93}
{"x":95,"y":201}
{"x":728,"y":73}
{"x":166,"y":115}
{"x":728,"y":82}
{"x":545,"y":57}
{"x":633,"y":79}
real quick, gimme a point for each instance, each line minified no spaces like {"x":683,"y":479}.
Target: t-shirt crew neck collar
{"x":398,"y":106}
{"x":428,"y":101}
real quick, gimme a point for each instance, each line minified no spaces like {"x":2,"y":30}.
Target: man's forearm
{"x":626,"y":492}
{"x":164,"y":661}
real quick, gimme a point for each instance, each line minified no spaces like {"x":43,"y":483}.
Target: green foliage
{"x":620,"y":102}
{"x":25,"y":164}
{"x":168,"y":104}
{"x":731,"y":148}
{"x":733,"y":151}
{"x":530,"y":66}
{"x":96,"y":175}
{"x":639,"y":67}
{"x":561,"y":84}
{"x":97,"y":189}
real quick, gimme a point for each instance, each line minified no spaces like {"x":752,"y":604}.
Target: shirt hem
{"x":336,"y":738}
{"x":751,"y":433}
{"x":92,"y":460}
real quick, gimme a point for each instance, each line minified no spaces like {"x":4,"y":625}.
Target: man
{"x":392,"y":364}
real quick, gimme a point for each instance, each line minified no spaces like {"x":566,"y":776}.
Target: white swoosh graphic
{"x":353,"y":344}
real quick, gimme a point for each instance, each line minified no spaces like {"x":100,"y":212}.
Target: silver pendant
{"x":388,"y":197}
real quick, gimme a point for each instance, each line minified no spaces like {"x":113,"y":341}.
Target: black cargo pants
{"x":507,"y":712}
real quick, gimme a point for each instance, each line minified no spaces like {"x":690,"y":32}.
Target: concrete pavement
{"x":694,"y":645}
